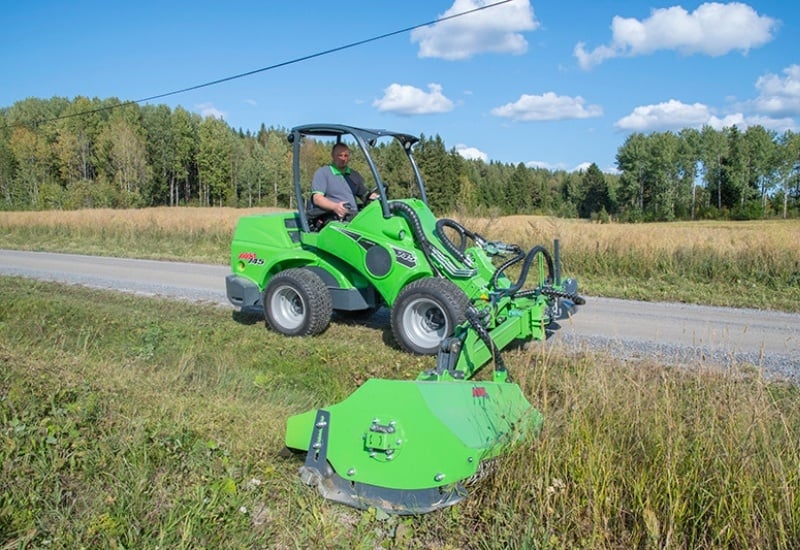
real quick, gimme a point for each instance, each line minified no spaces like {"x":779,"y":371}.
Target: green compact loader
{"x":404,"y":446}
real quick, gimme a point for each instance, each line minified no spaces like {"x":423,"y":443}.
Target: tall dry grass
{"x":649,"y":457}
{"x":179,"y":220}
{"x":189,"y":234}
{"x":650,"y":242}
{"x":752,"y":264}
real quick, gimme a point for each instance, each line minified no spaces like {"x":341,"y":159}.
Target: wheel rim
{"x":287,"y":307}
{"x":425,"y":323}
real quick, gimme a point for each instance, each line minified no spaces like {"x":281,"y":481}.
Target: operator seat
{"x":317,"y":217}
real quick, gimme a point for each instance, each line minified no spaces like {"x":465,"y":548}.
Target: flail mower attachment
{"x":406,"y":447}
{"x":409,"y":447}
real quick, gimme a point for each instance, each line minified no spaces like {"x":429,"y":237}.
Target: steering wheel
{"x":367,"y":198}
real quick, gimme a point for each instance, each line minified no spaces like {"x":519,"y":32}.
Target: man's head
{"x":340,"y":155}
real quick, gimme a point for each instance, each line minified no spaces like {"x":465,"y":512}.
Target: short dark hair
{"x":339,"y":145}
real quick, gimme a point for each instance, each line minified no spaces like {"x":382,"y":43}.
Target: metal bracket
{"x":315,"y":467}
{"x":446,"y":360}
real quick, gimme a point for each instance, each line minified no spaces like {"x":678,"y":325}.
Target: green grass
{"x":137,"y":423}
{"x":129,"y":422}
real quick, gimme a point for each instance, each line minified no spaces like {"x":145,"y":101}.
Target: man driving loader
{"x":335,"y":186}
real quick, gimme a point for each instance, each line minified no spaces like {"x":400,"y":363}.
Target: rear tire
{"x":297,"y":303}
{"x":426,"y":312}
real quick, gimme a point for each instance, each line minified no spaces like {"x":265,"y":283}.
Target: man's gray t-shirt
{"x":329,"y":181}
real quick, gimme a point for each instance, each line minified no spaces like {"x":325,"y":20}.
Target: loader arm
{"x":474,"y":345}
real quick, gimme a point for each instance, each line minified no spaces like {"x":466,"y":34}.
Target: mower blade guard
{"x":406,"y":447}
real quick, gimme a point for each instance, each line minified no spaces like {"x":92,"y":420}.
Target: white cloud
{"x":713,"y":29}
{"x":542,"y":164}
{"x":675,"y":115}
{"x":779,"y":96}
{"x":208,"y":110}
{"x":733,"y":119}
{"x":494,"y":30}
{"x":668,"y":115}
{"x":548,"y":106}
{"x":408,"y":100}
{"x":471,"y":153}
{"x":742,"y":122}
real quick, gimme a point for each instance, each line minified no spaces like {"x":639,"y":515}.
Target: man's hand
{"x":341,"y":209}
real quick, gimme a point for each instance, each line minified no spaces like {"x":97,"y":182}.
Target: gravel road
{"x":631,"y":330}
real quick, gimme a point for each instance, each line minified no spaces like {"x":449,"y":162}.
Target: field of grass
{"x":129,"y":422}
{"x":745,"y":264}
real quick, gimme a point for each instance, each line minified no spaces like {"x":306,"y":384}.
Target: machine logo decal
{"x":251,"y":257}
{"x":404,"y":257}
{"x":479,"y":391}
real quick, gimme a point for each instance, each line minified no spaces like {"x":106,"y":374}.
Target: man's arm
{"x":318,"y":194}
{"x":338,"y":208}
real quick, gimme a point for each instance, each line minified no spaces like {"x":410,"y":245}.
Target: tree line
{"x":89,"y":153}
{"x":709,"y":173}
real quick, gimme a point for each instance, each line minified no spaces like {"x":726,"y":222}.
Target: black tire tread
{"x":319,"y":304}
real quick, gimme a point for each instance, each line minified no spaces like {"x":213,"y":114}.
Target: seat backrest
{"x":317,"y":217}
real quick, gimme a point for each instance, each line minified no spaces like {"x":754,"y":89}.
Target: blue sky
{"x":552,"y":84}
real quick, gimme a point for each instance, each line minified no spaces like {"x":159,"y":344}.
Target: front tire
{"x":426,"y":312}
{"x":297,"y":303}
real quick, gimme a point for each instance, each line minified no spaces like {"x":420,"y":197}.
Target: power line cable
{"x":268,"y":68}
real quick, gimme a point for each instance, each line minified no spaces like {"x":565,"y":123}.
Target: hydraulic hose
{"x":475,"y":322}
{"x":555,"y":293}
{"x":416,"y":230}
{"x":538,"y":249}
{"x":519,"y":256}
{"x":463,"y":233}
{"x":458,"y":252}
